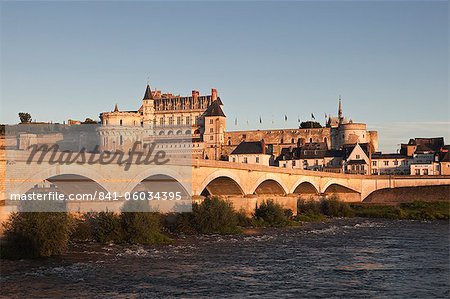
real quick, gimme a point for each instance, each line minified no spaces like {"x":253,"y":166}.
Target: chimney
{"x":213,"y":94}
{"x":195,"y":94}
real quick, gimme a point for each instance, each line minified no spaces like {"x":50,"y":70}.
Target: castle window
{"x":211,"y":130}
{"x":281,"y":141}
{"x":120,"y":122}
{"x":161,"y":121}
{"x":245,"y":160}
{"x":171,"y":121}
{"x":179,"y":120}
{"x":257,"y":159}
{"x":188,"y":120}
{"x":121,"y":139}
{"x":292,"y":140}
{"x":358,"y":157}
{"x":229,"y":142}
{"x":310,"y":140}
{"x":386,"y":163}
{"x":395,"y":162}
{"x":211,"y":137}
{"x":211,"y":121}
{"x":374,"y":163}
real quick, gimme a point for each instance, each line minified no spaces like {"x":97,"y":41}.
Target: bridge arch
{"x":333,"y":184}
{"x":225,"y":177}
{"x":269,"y":183}
{"x":53,"y":172}
{"x":305,"y":184}
{"x":183,"y":178}
{"x":343,"y":193}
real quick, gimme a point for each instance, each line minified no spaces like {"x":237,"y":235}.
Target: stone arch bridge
{"x":244,"y":184}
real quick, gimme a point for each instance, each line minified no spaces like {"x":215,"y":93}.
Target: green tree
{"x":25,"y":117}
{"x":89,"y":121}
{"x":310,"y":124}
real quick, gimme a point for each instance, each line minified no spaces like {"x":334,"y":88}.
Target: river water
{"x":340,"y":258}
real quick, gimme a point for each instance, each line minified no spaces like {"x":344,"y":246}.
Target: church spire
{"x":148,"y":93}
{"x":340,"y":109}
{"x":116,"y":109}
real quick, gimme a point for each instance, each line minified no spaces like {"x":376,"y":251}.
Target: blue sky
{"x":388,"y":60}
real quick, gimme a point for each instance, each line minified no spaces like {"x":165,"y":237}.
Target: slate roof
{"x":248,"y":147}
{"x":214,"y":109}
{"x":148,"y":93}
{"x":349,"y":148}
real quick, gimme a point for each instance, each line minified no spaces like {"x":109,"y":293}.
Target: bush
{"x":180,"y":223}
{"x":105,"y":227}
{"x":36,"y":234}
{"x":81,"y":228}
{"x":215,"y":215}
{"x":142,"y":228}
{"x":243,"y":220}
{"x":334,"y":208}
{"x":269,"y":213}
{"x":309,"y":211}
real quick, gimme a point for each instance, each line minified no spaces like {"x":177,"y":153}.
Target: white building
{"x":390,"y":164}
{"x":252,"y":152}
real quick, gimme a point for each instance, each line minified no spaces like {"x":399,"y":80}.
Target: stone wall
{"x":278,"y":138}
{"x":410,"y":194}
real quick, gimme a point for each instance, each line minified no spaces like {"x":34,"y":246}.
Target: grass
{"x":326,"y":208}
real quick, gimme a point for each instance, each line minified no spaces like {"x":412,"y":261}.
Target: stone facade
{"x":165,"y":115}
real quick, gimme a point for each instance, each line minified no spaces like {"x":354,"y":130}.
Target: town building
{"x":251,"y":152}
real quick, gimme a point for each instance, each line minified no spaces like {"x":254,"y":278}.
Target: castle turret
{"x":148,"y":107}
{"x":340,"y":114}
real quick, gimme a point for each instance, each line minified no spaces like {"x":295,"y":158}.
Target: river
{"x":341,"y":258}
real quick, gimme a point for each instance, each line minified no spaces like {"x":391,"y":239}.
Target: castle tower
{"x":340,"y":115}
{"x":148,"y":107}
{"x":214,"y":134}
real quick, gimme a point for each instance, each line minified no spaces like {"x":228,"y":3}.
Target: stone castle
{"x":201,"y":117}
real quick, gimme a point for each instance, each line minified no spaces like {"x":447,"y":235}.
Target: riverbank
{"x":30,"y":235}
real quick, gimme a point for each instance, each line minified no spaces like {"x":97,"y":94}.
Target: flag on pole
{"x":285,"y":117}
{"x":312,"y":116}
{"x":298,"y":119}
{"x":325,"y":116}
{"x":235,"y":121}
{"x":260,"y":120}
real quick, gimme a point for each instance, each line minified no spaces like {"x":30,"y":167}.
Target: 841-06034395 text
{"x":98,"y":195}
